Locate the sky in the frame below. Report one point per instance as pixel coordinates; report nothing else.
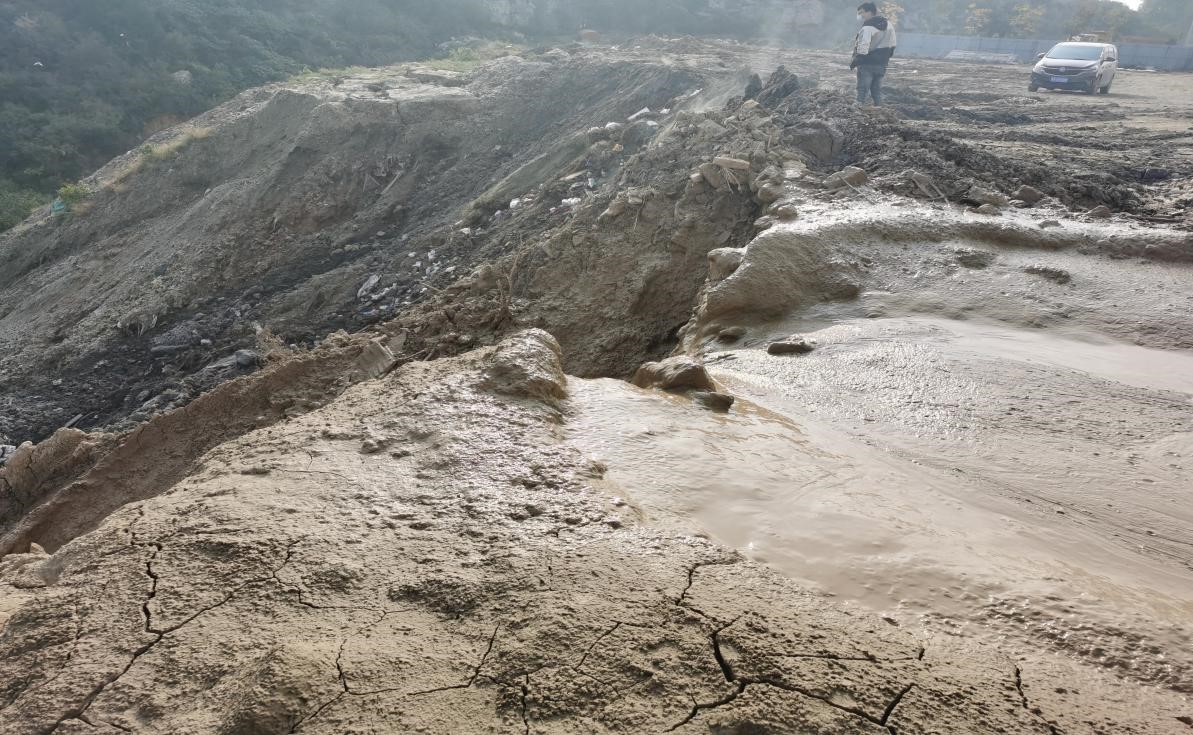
(1132, 4)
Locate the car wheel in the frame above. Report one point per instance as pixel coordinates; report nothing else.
(1104, 90)
(1033, 88)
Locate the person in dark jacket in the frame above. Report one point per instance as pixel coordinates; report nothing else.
(872, 50)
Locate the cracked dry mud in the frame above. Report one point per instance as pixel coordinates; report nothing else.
(471, 578)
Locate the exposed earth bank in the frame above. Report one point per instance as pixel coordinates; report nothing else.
(963, 464)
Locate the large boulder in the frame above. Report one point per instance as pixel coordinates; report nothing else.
(675, 373)
(1028, 194)
(819, 139)
(527, 364)
(722, 262)
(848, 176)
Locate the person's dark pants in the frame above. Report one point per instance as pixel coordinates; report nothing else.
(869, 83)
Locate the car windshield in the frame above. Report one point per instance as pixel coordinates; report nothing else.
(1072, 52)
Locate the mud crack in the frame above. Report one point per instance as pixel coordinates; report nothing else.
(77, 713)
(525, 696)
(1033, 711)
(580, 664)
(681, 601)
(743, 682)
(475, 672)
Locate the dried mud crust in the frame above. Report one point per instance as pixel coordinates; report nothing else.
(423, 554)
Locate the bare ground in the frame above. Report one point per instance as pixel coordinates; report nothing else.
(306, 549)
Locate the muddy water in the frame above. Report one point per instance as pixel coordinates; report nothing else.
(957, 516)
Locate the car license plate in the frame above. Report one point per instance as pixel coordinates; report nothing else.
(1060, 80)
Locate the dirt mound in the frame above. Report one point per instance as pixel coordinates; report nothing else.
(303, 207)
(889, 145)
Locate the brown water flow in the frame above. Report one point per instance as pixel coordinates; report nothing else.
(953, 516)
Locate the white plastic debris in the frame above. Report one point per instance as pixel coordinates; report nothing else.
(368, 286)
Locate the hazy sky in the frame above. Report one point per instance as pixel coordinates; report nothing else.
(1134, 4)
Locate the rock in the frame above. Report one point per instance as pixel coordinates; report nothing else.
(973, 258)
(731, 334)
(781, 85)
(1019, 204)
(713, 400)
(6, 451)
(714, 175)
(787, 213)
(674, 373)
(376, 359)
(848, 176)
(753, 87)
(1049, 223)
(373, 445)
(1058, 275)
(615, 209)
(710, 130)
(986, 196)
(818, 139)
(527, 364)
(722, 262)
(990, 210)
(1100, 212)
(770, 175)
(247, 358)
(1028, 194)
(769, 193)
(792, 346)
(765, 223)
(732, 164)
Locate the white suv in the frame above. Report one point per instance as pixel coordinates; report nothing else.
(1085, 67)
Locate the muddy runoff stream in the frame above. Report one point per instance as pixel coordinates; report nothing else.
(952, 475)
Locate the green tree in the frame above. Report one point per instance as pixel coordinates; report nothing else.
(1026, 20)
(16, 204)
(1172, 18)
(977, 20)
(893, 11)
